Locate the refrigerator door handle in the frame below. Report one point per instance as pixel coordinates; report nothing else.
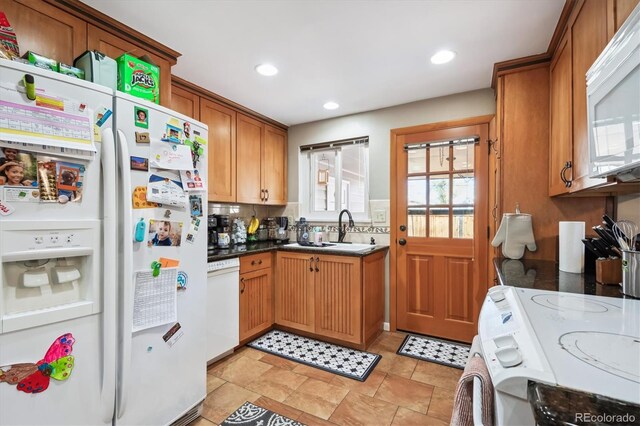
(126, 297)
(110, 253)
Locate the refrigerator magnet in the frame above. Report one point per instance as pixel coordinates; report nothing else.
(139, 163)
(195, 201)
(140, 199)
(102, 116)
(142, 137)
(141, 117)
(164, 233)
(173, 335)
(6, 209)
(182, 280)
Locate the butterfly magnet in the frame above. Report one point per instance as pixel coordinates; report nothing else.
(34, 378)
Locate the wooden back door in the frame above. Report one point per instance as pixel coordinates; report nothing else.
(439, 235)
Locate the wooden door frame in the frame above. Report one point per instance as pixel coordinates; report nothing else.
(395, 133)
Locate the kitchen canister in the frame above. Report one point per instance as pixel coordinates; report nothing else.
(631, 273)
(571, 250)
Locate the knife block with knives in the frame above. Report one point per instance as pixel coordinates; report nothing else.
(609, 271)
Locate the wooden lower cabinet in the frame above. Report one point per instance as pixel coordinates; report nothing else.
(336, 297)
(256, 302)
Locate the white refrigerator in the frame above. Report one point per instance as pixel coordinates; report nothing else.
(90, 332)
(160, 382)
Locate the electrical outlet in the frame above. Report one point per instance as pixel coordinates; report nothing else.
(379, 216)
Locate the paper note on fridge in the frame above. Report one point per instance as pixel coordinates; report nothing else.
(154, 299)
(164, 190)
(165, 155)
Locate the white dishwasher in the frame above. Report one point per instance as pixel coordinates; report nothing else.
(223, 308)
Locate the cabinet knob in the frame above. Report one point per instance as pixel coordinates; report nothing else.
(253, 262)
(402, 241)
(403, 228)
(260, 262)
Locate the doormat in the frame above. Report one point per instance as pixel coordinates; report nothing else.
(252, 415)
(336, 359)
(451, 354)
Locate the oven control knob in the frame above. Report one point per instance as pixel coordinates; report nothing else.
(509, 356)
(497, 295)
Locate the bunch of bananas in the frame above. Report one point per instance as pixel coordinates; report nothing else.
(253, 225)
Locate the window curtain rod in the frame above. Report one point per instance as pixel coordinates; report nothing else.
(446, 142)
(334, 144)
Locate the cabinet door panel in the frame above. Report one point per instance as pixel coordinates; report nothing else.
(114, 46)
(274, 165)
(185, 102)
(45, 29)
(256, 303)
(221, 151)
(560, 141)
(623, 10)
(295, 291)
(338, 298)
(250, 133)
(589, 37)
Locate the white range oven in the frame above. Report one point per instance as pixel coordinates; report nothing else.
(586, 343)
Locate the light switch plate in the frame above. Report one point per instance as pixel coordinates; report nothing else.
(379, 216)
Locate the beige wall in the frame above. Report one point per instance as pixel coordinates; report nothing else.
(629, 207)
(377, 125)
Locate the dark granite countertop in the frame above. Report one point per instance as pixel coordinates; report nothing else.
(553, 405)
(545, 275)
(259, 247)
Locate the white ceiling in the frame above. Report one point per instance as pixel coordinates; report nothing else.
(364, 55)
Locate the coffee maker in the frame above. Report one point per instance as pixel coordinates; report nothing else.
(223, 230)
(212, 232)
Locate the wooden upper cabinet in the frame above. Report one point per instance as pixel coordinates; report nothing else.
(248, 171)
(221, 151)
(560, 117)
(274, 165)
(589, 37)
(114, 46)
(45, 29)
(623, 9)
(185, 102)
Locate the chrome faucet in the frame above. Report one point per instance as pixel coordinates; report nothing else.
(342, 229)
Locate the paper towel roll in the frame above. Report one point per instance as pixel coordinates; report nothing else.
(571, 252)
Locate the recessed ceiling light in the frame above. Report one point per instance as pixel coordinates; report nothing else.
(442, 57)
(266, 69)
(331, 105)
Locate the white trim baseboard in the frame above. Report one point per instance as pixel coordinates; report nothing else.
(386, 326)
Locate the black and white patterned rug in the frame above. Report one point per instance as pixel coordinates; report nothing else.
(336, 359)
(430, 349)
(252, 415)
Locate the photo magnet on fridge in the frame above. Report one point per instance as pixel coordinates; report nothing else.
(139, 163)
(164, 233)
(195, 201)
(141, 117)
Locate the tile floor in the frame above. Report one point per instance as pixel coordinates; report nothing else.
(400, 390)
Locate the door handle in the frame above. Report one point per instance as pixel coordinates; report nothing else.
(262, 194)
(567, 182)
(402, 241)
(311, 264)
(243, 285)
(317, 261)
(266, 192)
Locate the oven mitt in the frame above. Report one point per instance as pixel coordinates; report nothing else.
(515, 232)
(513, 272)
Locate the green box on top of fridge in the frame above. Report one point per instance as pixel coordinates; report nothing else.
(138, 78)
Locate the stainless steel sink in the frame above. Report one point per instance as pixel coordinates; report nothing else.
(347, 247)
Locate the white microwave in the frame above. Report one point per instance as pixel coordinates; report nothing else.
(613, 105)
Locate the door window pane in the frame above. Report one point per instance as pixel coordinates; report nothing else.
(417, 222)
(439, 223)
(438, 159)
(417, 162)
(417, 191)
(439, 189)
(463, 222)
(324, 180)
(463, 188)
(463, 157)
